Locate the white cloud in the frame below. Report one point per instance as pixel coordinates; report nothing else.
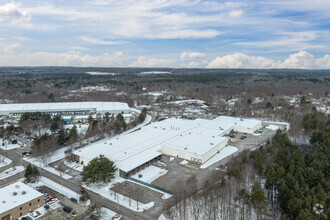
(100, 41)
(304, 60)
(300, 60)
(289, 41)
(13, 13)
(152, 62)
(71, 58)
(236, 14)
(191, 55)
(11, 48)
(78, 48)
(240, 60)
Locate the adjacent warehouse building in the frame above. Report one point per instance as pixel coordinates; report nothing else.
(194, 140)
(17, 200)
(65, 108)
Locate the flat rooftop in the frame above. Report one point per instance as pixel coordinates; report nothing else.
(132, 150)
(23, 195)
(64, 106)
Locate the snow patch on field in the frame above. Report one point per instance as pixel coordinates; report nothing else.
(225, 152)
(149, 174)
(4, 161)
(11, 171)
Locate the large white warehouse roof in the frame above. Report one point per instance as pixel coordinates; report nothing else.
(191, 136)
(101, 107)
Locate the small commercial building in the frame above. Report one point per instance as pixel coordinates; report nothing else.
(17, 200)
(193, 140)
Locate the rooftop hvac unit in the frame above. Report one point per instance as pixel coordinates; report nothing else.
(14, 193)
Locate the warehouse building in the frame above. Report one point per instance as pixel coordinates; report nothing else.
(17, 200)
(65, 108)
(193, 140)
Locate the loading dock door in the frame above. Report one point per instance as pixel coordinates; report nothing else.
(122, 173)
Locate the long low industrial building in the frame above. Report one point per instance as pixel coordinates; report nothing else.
(193, 140)
(65, 108)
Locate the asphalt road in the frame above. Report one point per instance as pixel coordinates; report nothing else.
(14, 155)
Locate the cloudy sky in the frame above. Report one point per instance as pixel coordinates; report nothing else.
(166, 33)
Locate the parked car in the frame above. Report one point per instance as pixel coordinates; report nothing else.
(46, 207)
(73, 200)
(67, 209)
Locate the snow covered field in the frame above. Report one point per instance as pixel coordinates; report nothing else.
(225, 152)
(4, 161)
(11, 171)
(150, 173)
(104, 190)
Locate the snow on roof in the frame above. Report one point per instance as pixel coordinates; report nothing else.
(24, 194)
(63, 106)
(134, 149)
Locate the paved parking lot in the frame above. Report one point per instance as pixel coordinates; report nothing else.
(58, 212)
(137, 192)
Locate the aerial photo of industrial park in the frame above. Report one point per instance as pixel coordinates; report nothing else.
(164, 110)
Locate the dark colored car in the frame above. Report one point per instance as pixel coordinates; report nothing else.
(67, 209)
(46, 207)
(73, 200)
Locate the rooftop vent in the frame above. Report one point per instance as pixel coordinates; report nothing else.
(14, 193)
(23, 192)
(16, 186)
(212, 143)
(242, 119)
(3, 201)
(185, 148)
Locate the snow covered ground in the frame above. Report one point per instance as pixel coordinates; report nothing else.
(107, 214)
(57, 172)
(43, 181)
(272, 127)
(150, 173)
(81, 128)
(225, 152)
(73, 165)
(104, 190)
(11, 171)
(55, 156)
(184, 162)
(8, 146)
(4, 161)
